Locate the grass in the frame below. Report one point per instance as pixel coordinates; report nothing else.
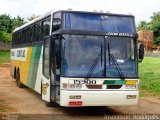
(4, 57)
(149, 72)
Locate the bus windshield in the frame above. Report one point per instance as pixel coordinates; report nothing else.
(79, 53)
(120, 55)
(97, 22)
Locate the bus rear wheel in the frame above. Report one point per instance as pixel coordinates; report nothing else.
(18, 82)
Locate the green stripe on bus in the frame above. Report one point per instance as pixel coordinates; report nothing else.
(114, 82)
(33, 68)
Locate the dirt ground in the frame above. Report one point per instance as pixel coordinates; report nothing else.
(28, 105)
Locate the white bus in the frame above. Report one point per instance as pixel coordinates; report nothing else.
(75, 58)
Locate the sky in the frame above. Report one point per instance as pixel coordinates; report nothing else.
(141, 9)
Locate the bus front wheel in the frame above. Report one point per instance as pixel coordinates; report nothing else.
(51, 104)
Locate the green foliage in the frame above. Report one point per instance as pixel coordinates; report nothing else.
(32, 17)
(17, 22)
(4, 57)
(5, 36)
(150, 75)
(153, 25)
(143, 25)
(5, 23)
(157, 40)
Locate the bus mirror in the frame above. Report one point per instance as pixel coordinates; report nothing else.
(141, 52)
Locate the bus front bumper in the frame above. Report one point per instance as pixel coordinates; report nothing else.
(98, 98)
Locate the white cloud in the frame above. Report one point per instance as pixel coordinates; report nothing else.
(142, 9)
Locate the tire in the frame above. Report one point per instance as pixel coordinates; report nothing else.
(51, 104)
(19, 84)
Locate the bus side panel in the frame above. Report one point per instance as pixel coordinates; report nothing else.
(29, 61)
(17, 57)
(33, 69)
(39, 74)
(25, 67)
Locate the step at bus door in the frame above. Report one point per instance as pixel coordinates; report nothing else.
(46, 83)
(55, 68)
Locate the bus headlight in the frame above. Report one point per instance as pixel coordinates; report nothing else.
(75, 86)
(65, 86)
(130, 86)
(72, 86)
(78, 86)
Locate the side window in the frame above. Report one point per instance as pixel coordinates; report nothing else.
(13, 39)
(37, 32)
(32, 33)
(23, 37)
(28, 35)
(46, 58)
(17, 38)
(56, 22)
(46, 26)
(20, 36)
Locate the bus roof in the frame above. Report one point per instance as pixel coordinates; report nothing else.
(52, 11)
(34, 20)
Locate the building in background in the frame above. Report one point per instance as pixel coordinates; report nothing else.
(147, 37)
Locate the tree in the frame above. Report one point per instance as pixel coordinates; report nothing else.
(32, 17)
(155, 26)
(17, 22)
(5, 36)
(143, 25)
(5, 23)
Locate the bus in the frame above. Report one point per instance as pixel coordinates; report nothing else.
(78, 58)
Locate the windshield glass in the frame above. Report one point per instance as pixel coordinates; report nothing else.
(79, 53)
(97, 22)
(120, 50)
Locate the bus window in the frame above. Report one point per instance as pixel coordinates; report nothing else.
(27, 36)
(32, 33)
(46, 26)
(37, 32)
(46, 58)
(23, 37)
(56, 22)
(18, 40)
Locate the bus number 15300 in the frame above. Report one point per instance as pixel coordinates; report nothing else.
(84, 81)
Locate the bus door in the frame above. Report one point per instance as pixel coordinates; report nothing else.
(46, 83)
(55, 68)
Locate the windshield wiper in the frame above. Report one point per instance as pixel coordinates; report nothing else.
(93, 66)
(111, 57)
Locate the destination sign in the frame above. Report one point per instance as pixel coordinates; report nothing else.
(119, 34)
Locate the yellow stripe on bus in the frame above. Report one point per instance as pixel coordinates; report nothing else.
(25, 67)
